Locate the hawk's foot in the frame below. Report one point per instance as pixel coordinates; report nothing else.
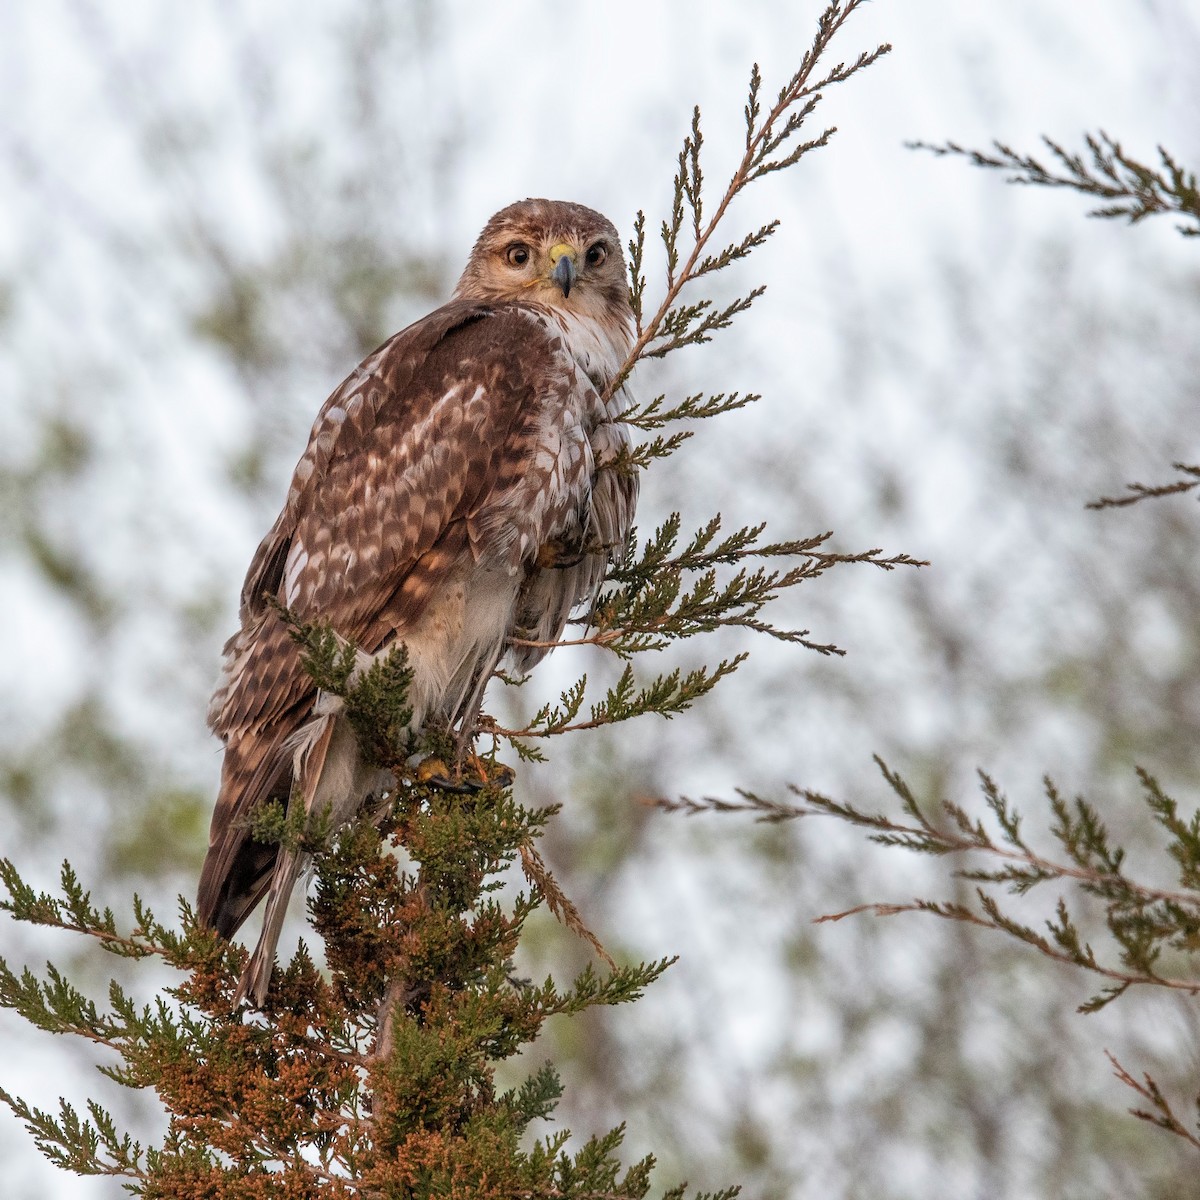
(557, 554)
(498, 773)
(434, 772)
(466, 780)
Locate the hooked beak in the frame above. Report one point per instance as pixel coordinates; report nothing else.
(564, 273)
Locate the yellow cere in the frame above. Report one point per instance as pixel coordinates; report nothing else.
(556, 252)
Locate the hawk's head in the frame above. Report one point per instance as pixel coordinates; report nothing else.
(553, 253)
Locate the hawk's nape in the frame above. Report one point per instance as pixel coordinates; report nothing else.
(436, 478)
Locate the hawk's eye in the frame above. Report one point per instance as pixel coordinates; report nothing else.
(596, 255)
(517, 254)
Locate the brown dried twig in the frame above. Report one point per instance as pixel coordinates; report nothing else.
(1163, 1116)
(557, 901)
(1141, 491)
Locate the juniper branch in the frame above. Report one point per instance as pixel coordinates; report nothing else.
(666, 695)
(674, 325)
(652, 415)
(74, 1143)
(1064, 948)
(672, 590)
(1142, 919)
(1163, 1115)
(1134, 190)
(1140, 491)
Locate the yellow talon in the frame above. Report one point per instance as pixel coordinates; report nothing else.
(432, 768)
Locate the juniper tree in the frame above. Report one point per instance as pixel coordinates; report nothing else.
(375, 1075)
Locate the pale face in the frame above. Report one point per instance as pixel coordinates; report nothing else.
(557, 255)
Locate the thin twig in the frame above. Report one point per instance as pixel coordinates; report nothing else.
(950, 843)
(1191, 986)
(1149, 1090)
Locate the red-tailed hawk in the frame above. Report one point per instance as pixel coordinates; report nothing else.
(438, 481)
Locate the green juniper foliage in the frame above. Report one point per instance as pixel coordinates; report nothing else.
(666, 593)
(375, 1075)
(377, 1080)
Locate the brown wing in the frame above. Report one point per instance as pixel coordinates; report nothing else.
(456, 437)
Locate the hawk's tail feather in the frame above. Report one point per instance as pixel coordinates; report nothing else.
(236, 868)
(256, 975)
(234, 907)
(310, 750)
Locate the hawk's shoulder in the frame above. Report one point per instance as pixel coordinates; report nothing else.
(426, 408)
